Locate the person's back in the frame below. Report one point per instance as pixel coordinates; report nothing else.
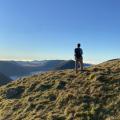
(78, 53)
(78, 57)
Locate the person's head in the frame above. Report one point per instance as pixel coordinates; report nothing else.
(78, 45)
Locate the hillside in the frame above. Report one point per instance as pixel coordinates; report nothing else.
(63, 95)
(4, 79)
(11, 68)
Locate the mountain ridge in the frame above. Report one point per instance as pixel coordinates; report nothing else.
(23, 68)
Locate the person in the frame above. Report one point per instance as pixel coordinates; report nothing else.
(78, 57)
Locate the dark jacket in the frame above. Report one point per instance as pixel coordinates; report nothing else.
(78, 53)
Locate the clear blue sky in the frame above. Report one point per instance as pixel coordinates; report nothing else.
(50, 29)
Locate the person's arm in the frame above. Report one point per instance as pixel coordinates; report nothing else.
(81, 51)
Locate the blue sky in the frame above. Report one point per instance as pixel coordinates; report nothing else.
(50, 29)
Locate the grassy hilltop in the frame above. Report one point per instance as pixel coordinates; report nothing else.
(64, 95)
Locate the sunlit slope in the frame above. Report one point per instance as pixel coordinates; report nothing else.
(63, 95)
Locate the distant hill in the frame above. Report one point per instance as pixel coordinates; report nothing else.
(21, 68)
(70, 64)
(51, 64)
(45, 65)
(31, 63)
(4, 79)
(63, 95)
(11, 68)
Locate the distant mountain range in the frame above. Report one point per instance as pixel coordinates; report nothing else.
(70, 64)
(45, 65)
(11, 68)
(21, 68)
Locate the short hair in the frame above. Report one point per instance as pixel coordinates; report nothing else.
(78, 45)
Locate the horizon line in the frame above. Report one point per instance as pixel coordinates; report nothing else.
(31, 60)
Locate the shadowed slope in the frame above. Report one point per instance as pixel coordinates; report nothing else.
(4, 79)
(11, 68)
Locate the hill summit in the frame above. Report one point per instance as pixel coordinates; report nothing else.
(63, 95)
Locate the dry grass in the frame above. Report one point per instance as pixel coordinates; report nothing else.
(63, 95)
